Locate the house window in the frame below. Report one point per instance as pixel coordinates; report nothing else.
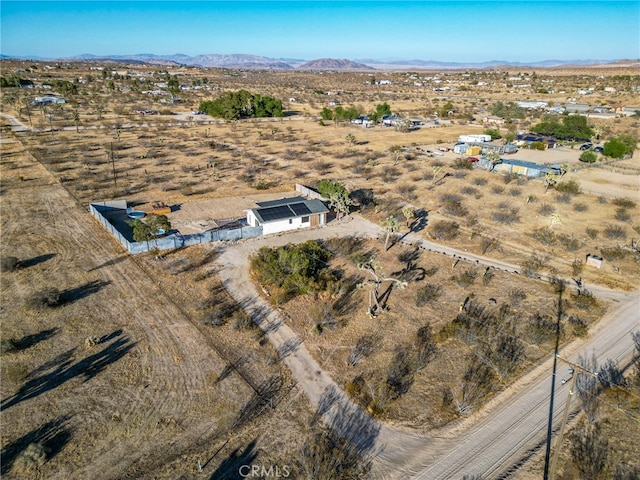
(305, 219)
(290, 221)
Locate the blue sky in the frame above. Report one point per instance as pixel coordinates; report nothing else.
(455, 30)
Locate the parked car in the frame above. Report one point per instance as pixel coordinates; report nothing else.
(471, 159)
(598, 149)
(586, 146)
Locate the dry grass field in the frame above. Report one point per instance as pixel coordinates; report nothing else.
(124, 380)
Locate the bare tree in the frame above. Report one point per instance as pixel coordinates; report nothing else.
(588, 388)
(374, 269)
(589, 450)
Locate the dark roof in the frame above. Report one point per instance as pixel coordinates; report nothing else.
(280, 201)
(288, 208)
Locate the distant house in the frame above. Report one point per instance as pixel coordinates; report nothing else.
(630, 111)
(287, 214)
(529, 138)
(519, 167)
(493, 120)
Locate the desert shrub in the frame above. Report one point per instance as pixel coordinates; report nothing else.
(531, 199)
(564, 198)
(592, 232)
(623, 202)
(569, 186)
(427, 293)
(344, 246)
(452, 205)
(588, 157)
(546, 209)
(240, 321)
(8, 345)
(31, 459)
(540, 328)
(479, 181)
(622, 215)
(569, 242)
(497, 189)
(580, 207)
(465, 278)
(364, 347)
(584, 300)
(444, 230)
(544, 235)
(472, 221)
(506, 216)
(532, 266)
(515, 192)
(509, 177)
(467, 190)
(9, 264)
(578, 325)
(462, 164)
(407, 189)
(576, 267)
(47, 298)
(516, 295)
(615, 232)
(400, 373)
(613, 253)
(389, 174)
(602, 200)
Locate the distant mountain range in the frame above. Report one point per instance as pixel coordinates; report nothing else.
(258, 62)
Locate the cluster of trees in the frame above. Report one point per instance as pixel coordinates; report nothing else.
(573, 127)
(508, 110)
(339, 113)
(242, 104)
(293, 270)
(351, 113)
(11, 80)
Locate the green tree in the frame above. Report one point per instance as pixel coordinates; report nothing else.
(326, 114)
(588, 157)
(494, 132)
(615, 148)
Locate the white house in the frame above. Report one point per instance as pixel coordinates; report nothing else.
(287, 214)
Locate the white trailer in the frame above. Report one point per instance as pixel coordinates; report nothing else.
(476, 138)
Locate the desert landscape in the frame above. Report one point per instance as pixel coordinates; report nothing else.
(172, 363)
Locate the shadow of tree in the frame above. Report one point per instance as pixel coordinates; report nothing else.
(30, 340)
(52, 436)
(267, 395)
(63, 370)
(233, 467)
(36, 260)
(108, 263)
(77, 293)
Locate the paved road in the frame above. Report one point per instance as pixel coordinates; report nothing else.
(488, 443)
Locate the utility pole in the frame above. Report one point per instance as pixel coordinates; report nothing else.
(574, 370)
(113, 164)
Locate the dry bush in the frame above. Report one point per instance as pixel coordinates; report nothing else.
(428, 293)
(467, 190)
(546, 209)
(9, 264)
(509, 177)
(570, 187)
(622, 215)
(444, 230)
(544, 235)
(564, 198)
(592, 232)
(465, 278)
(569, 242)
(452, 205)
(615, 232)
(623, 202)
(506, 217)
(515, 192)
(48, 298)
(532, 266)
(613, 253)
(580, 207)
(479, 181)
(497, 189)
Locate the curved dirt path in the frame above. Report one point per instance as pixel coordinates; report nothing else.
(489, 442)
